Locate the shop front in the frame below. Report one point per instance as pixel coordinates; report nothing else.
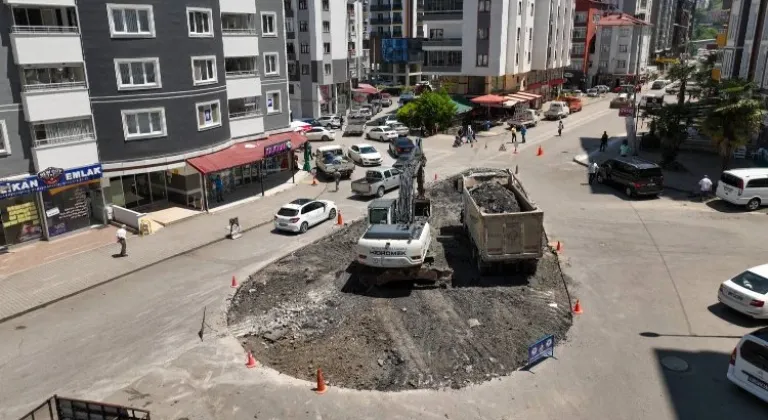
(155, 190)
(53, 202)
(247, 169)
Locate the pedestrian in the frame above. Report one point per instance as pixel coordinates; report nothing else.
(121, 234)
(705, 187)
(470, 133)
(523, 132)
(341, 120)
(337, 179)
(604, 142)
(560, 128)
(219, 185)
(624, 148)
(514, 134)
(592, 170)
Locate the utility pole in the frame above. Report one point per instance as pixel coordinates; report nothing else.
(637, 79)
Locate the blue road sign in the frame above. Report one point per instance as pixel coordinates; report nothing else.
(545, 347)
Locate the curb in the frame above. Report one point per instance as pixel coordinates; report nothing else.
(136, 270)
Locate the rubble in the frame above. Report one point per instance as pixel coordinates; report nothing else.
(493, 197)
(309, 312)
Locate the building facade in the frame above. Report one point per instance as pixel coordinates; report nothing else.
(397, 19)
(585, 19)
(621, 52)
(320, 54)
(745, 55)
(663, 18)
(552, 32)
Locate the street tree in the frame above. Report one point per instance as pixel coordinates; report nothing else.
(732, 123)
(430, 111)
(671, 125)
(682, 73)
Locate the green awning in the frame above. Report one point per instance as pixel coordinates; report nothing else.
(462, 106)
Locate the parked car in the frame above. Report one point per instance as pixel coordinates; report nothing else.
(747, 293)
(574, 103)
(401, 146)
(377, 182)
(673, 88)
(634, 175)
(382, 133)
(651, 101)
(355, 125)
(405, 158)
(621, 101)
(602, 89)
(593, 93)
(748, 367)
(400, 128)
(364, 154)
(382, 120)
(299, 215)
(659, 84)
(557, 110)
(311, 121)
(744, 187)
(406, 97)
(320, 133)
(386, 100)
(331, 121)
(365, 112)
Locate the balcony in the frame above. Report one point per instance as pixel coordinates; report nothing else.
(397, 19)
(242, 75)
(381, 20)
(398, 5)
(291, 56)
(63, 132)
(352, 54)
(245, 116)
(240, 45)
(236, 6)
(239, 24)
(441, 42)
(443, 10)
(386, 34)
(366, 35)
(64, 144)
(55, 100)
(397, 34)
(381, 7)
(34, 45)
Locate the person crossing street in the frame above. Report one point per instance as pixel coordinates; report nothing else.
(523, 132)
(604, 141)
(560, 128)
(592, 170)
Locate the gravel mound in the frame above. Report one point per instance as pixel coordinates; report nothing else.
(493, 197)
(307, 311)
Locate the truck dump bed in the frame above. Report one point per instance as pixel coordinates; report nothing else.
(502, 228)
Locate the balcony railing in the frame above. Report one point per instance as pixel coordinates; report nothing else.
(239, 31)
(242, 73)
(381, 7)
(397, 19)
(381, 21)
(291, 56)
(352, 53)
(245, 114)
(37, 87)
(397, 5)
(442, 42)
(32, 29)
(72, 138)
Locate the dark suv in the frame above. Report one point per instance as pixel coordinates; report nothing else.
(634, 175)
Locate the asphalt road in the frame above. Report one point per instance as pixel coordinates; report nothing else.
(646, 273)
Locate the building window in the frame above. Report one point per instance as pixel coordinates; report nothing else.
(273, 102)
(302, 4)
(240, 66)
(326, 26)
(244, 107)
(137, 73)
(305, 69)
(208, 115)
(624, 32)
(621, 64)
(622, 48)
(5, 142)
(327, 69)
(529, 57)
(517, 58)
(304, 48)
(605, 48)
(580, 17)
(579, 33)
(199, 22)
(204, 70)
(484, 6)
(531, 3)
(238, 23)
(603, 64)
(288, 25)
(518, 34)
(291, 89)
(596, 17)
(131, 21)
(302, 26)
(269, 24)
(530, 34)
(326, 5)
(482, 33)
(326, 47)
(144, 123)
(270, 64)
(577, 48)
(435, 34)
(482, 60)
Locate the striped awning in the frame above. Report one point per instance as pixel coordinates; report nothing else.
(522, 96)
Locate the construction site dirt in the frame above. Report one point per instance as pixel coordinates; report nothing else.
(308, 311)
(492, 197)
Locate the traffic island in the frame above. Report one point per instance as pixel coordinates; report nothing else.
(308, 311)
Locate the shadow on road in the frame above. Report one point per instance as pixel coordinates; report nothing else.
(723, 206)
(732, 317)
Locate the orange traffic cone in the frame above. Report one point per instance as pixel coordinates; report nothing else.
(234, 282)
(321, 387)
(339, 219)
(539, 151)
(559, 247)
(251, 362)
(314, 180)
(577, 308)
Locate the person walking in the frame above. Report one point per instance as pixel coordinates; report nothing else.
(513, 131)
(523, 132)
(624, 148)
(592, 171)
(705, 187)
(604, 142)
(219, 185)
(337, 179)
(560, 128)
(470, 134)
(121, 234)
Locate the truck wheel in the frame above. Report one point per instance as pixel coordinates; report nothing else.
(380, 192)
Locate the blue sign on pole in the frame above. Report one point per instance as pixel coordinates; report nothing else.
(49, 178)
(545, 347)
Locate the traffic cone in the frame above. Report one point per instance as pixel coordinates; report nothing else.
(251, 362)
(339, 219)
(577, 308)
(314, 180)
(234, 282)
(559, 247)
(539, 151)
(502, 148)
(321, 387)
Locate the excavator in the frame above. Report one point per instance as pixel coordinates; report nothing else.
(396, 244)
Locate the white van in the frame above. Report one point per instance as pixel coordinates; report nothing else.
(744, 187)
(557, 110)
(749, 364)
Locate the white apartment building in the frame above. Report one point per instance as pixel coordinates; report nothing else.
(396, 19)
(552, 31)
(621, 50)
(324, 44)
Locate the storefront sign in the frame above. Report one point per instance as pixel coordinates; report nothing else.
(276, 149)
(626, 111)
(49, 178)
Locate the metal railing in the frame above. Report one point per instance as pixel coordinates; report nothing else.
(352, 53)
(36, 87)
(442, 42)
(32, 29)
(242, 73)
(381, 21)
(245, 114)
(73, 138)
(240, 31)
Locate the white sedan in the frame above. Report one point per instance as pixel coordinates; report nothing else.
(382, 133)
(747, 292)
(299, 215)
(320, 133)
(400, 128)
(364, 154)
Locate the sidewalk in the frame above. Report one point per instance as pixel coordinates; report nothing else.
(50, 282)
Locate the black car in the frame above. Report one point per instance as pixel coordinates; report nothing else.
(634, 175)
(401, 146)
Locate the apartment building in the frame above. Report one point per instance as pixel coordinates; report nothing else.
(552, 31)
(396, 19)
(663, 18)
(585, 19)
(110, 108)
(365, 22)
(745, 55)
(320, 54)
(621, 50)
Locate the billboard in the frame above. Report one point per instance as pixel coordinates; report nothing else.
(394, 50)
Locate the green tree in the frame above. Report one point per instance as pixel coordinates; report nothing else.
(682, 73)
(431, 110)
(670, 124)
(732, 123)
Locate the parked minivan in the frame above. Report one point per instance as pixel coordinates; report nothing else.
(748, 367)
(557, 110)
(744, 187)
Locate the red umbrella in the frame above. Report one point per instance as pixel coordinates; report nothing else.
(489, 100)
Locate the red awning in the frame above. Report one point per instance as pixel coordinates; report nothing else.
(555, 82)
(488, 100)
(243, 153)
(523, 96)
(366, 88)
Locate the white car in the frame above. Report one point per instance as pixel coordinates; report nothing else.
(747, 292)
(382, 133)
(329, 121)
(364, 154)
(748, 368)
(299, 215)
(320, 133)
(366, 112)
(603, 88)
(400, 128)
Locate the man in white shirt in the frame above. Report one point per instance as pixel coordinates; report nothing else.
(705, 185)
(592, 170)
(121, 234)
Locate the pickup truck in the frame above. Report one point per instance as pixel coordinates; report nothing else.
(526, 117)
(355, 125)
(502, 238)
(376, 182)
(330, 159)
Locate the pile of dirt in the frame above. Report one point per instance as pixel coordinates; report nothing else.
(493, 197)
(308, 311)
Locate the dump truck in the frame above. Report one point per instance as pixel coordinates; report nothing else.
(501, 234)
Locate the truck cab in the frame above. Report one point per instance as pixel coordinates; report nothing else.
(383, 211)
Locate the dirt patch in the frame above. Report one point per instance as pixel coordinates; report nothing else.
(492, 197)
(307, 311)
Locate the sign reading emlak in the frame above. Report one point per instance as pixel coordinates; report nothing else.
(49, 178)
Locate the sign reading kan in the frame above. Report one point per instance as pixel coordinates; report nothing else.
(49, 178)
